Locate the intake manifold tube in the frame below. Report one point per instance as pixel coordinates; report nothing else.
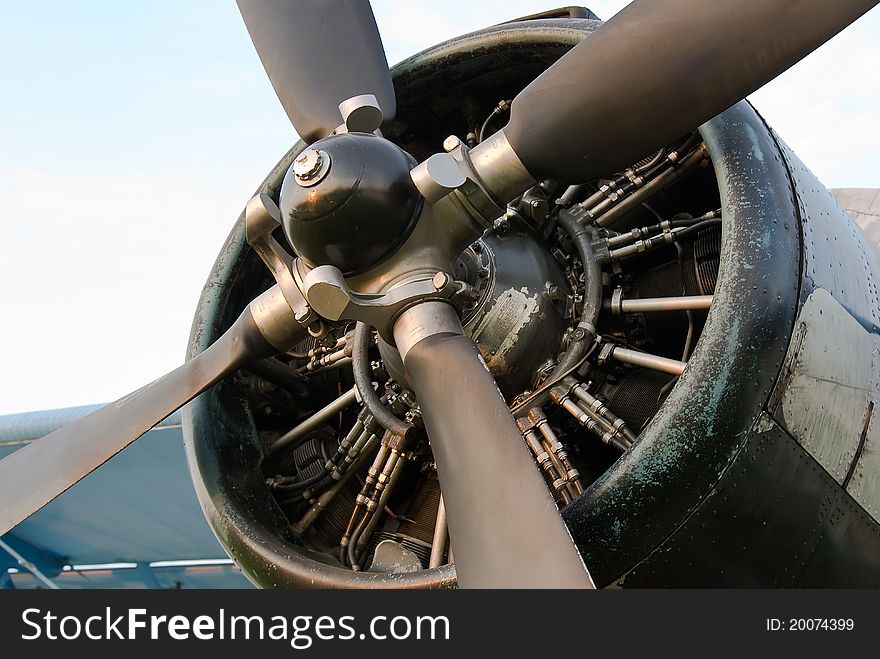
(580, 236)
(360, 366)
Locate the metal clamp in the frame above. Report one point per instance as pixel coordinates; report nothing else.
(484, 179)
(327, 292)
(261, 218)
(617, 301)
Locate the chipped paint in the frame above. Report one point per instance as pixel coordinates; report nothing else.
(831, 377)
(764, 423)
(502, 326)
(757, 152)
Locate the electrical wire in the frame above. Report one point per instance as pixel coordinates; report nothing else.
(699, 226)
(502, 106)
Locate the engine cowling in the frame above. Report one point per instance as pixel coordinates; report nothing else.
(703, 436)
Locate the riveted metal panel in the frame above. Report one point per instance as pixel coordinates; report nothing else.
(847, 551)
(838, 258)
(836, 255)
(775, 519)
(830, 377)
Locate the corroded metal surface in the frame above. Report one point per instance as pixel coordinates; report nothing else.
(777, 519)
(716, 491)
(776, 516)
(828, 381)
(703, 425)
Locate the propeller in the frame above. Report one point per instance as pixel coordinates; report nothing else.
(655, 71)
(503, 523)
(36, 474)
(317, 54)
(650, 74)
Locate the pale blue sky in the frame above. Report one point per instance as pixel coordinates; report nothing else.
(132, 133)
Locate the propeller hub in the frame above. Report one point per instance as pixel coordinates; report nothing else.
(355, 213)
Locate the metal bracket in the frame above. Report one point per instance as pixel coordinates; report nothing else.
(451, 172)
(261, 218)
(329, 294)
(361, 114)
(605, 353)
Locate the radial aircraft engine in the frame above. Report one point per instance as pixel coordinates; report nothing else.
(546, 305)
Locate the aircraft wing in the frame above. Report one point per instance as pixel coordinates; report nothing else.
(135, 523)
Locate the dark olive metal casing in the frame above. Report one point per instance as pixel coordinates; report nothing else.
(516, 324)
(362, 210)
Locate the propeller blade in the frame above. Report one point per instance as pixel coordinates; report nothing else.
(36, 474)
(655, 71)
(317, 54)
(503, 523)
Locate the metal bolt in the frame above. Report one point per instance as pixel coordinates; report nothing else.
(307, 164)
(451, 143)
(440, 281)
